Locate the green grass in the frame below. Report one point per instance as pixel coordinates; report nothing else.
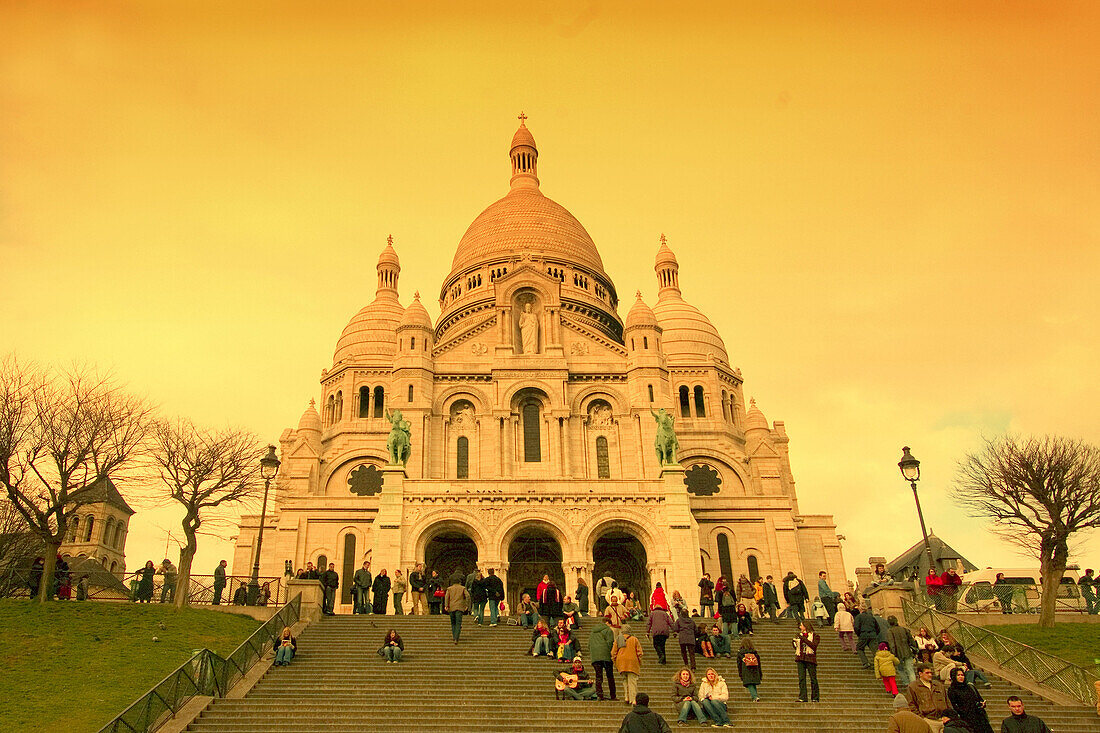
(1077, 643)
(68, 666)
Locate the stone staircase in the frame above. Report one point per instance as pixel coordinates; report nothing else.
(339, 684)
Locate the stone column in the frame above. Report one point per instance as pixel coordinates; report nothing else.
(683, 533)
(312, 596)
(387, 525)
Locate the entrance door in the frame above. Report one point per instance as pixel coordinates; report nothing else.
(623, 557)
(450, 553)
(533, 554)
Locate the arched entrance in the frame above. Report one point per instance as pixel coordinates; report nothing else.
(622, 556)
(450, 552)
(532, 554)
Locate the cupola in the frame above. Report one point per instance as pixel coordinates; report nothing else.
(524, 157)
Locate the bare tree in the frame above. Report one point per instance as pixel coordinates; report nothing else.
(62, 432)
(1039, 493)
(18, 548)
(206, 472)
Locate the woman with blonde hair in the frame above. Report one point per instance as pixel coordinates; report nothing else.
(285, 646)
(685, 693)
(713, 696)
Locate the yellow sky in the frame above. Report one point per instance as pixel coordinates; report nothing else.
(889, 210)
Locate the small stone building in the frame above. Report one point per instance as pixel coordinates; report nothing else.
(99, 529)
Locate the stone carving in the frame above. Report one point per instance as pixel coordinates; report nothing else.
(578, 348)
(479, 349)
(529, 330)
(399, 444)
(665, 442)
(463, 415)
(702, 480)
(365, 480)
(599, 415)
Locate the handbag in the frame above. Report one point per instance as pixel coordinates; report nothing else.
(439, 593)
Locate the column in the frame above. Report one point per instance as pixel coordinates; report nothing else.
(683, 533)
(387, 525)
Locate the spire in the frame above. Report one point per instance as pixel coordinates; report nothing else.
(668, 271)
(524, 156)
(389, 268)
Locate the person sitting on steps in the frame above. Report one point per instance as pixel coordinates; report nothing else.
(720, 642)
(540, 640)
(527, 611)
(702, 642)
(570, 612)
(744, 620)
(565, 642)
(713, 697)
(392, 647)
(285, 647)
(575, 682)
(685, 693)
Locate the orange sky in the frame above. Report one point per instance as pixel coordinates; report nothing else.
(889, 210)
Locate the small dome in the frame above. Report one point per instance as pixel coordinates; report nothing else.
(754, 418)
(372, 331)
(311, 419)
(416, 315)
(688, 334)
(523, 136)
(665, 255)
(389, 255)
(641, 315)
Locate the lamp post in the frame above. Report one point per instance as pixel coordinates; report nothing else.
(910, 471)
(269, 469)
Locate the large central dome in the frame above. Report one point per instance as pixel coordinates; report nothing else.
(526, 221)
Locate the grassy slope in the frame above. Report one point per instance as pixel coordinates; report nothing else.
(68, 666)
(1078, 643)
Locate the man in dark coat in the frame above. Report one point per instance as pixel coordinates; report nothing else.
(867, 632)
(1021, 722)
(643, 720)
(219, 582)
(34, 578)
(360, 586)
(494, 586)
(903, 646)
(380, 589)
(417, 583)
(330, 581)
(771, 598)
(479, 596)
(796, 595)
(600, 642)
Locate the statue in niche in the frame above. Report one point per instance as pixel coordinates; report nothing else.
(399, 443)
(463, 415)
(529, 330)
(665, 442)
(599, 416)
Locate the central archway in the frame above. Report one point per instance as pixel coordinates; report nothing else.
(622, 556)
(533, 553)
(450, 552)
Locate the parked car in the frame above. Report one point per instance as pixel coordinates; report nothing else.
(976, 594)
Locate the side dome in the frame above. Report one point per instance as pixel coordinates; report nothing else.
(416, 315)
(641, 315)
(311, 419)
(688, 334)
(372, 331)
(525, 221)
(754, 418)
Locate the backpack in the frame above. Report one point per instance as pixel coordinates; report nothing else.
(751, 660)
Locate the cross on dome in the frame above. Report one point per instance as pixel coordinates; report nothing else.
(663, 240)
(522, 118)
(389, 240)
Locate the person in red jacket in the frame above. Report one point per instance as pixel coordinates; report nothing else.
(933, 584)
(949, 589)
(805, 655)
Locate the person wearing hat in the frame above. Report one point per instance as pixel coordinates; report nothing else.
(905, 720)
(583, 688)
(886, 668)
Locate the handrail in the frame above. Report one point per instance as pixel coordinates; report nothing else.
(205, 673)
(1044, 669)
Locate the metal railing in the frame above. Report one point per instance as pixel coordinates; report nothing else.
(205, 673)
(1044, 669)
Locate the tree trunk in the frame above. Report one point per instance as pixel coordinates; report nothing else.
(1052, 566)
(45, 586)
(187, 555)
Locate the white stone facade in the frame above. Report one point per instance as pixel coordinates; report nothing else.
(532, 436)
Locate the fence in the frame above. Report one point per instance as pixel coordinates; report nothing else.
(106, 586)
(1045, 669)
(205, 673)
(1025, 598)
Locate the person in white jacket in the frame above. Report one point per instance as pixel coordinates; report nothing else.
(845, 628)
(713, 695)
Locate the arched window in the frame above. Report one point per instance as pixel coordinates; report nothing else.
(330, 410)
(349, 568)
(379, 401)
(645, 342)
(724, 557)
(339, 406)
(114, 566)
(754, 567)
(603, 464)
(322, 563)
(702, 560)
(364, 402)
(74, 529)
(412, 343)
(700, 407)
(685, 402)
(410, 393)
(650, 392)
(108, 532)
(725, 407)
(118, 535)
(532, 436)
(89, 523)
(462, 469)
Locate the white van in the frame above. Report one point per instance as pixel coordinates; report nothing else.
(977, 595)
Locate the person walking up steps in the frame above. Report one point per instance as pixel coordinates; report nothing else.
(494, 588)
(456, 602)
(627, 653)
(749, 668)
(685, 635)
(659, 626)
(886, 668)
(867, 633)
(805, 655)
(845, 628)
(600, 642)
(435, 591)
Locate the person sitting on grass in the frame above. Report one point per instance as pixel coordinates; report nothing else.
(575, 682)
(540, 640)
(392, 647)
(285, 647)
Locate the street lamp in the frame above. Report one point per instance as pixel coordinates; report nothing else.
(269, 469)
(910, 471)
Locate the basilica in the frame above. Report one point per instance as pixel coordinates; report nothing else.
(531, 409)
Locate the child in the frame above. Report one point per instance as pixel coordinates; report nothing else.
(818, 610)
(886, 668)
(720, 642)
